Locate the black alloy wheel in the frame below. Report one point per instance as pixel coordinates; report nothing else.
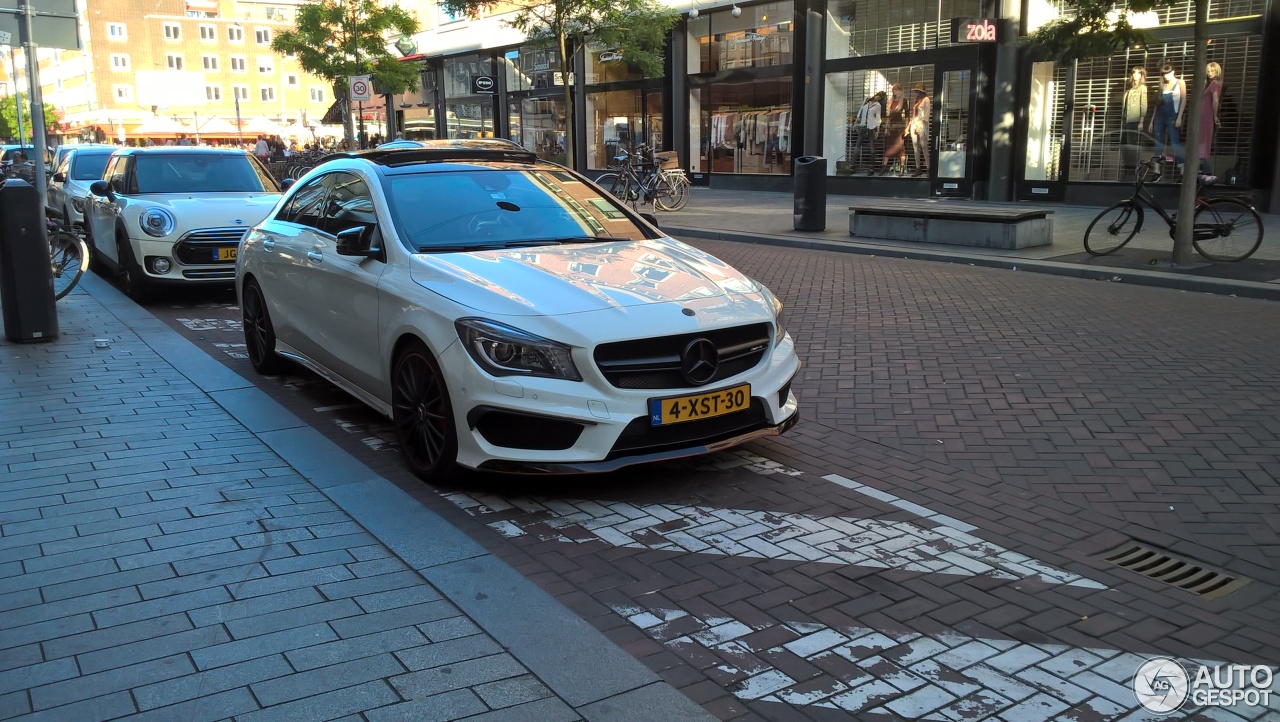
(423, 415)
(132, 278)
(259, 334)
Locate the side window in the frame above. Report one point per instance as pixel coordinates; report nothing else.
(64, 165)
(305, 205)
(349, 204)
(115, 173)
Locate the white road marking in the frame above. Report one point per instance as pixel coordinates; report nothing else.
(335, 407)
(886, 497)
(234, 350)
(946, 677)
(762, 535)
(212, 324)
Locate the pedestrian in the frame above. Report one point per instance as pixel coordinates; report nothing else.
(262, 150)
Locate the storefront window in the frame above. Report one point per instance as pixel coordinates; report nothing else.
(619, 120)
(1044, 122)
(531, 69)
(538, 125)
(903, 119)
(745, 127)
(419, 123)
(761, 36)
(605, 65)
(857, 28)
(467, 114)
(1108, 139)
(1040, 12)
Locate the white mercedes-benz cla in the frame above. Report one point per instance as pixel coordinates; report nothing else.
(508, 315)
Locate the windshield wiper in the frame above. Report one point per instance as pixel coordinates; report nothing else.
(591, 239)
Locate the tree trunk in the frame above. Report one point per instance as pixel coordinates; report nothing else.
(565, 71)
(348, 127)
(1182, 249)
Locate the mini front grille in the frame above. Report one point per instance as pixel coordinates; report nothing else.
(204, 274)
(201, 247)
(654, 363)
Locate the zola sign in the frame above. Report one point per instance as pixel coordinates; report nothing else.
(975, 30)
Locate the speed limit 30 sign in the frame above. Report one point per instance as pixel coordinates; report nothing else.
(359, 86)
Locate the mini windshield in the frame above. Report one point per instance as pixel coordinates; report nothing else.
(197, 173)
(497, 206)
(89, 166)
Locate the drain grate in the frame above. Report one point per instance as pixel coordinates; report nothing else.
(1191, 576)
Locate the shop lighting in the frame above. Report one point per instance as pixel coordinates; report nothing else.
(693, 12)
(736, 11)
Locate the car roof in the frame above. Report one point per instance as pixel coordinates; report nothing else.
(442, 151)
(180, 150)
(95, 148)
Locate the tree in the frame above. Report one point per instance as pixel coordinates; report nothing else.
(9, 118)
(1098, 28)
(335, 39)
(635, 28)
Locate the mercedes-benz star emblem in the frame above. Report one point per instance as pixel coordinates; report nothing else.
(699, 362)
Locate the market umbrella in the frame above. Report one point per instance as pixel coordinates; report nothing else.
(160, 125)
(262, 125)
(216, 126)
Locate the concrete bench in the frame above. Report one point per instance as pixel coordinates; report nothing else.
(953, 222)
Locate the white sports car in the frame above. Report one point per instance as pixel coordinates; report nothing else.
(176, 214)
(509, 315)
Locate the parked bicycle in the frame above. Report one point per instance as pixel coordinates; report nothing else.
(638, 178)
(1224, 228)
(68, 252)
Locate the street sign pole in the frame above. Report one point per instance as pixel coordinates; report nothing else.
(17, 96)
(37, 102)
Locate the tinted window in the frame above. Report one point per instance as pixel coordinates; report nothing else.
(196, 173)
(349, 204)
(89, 166)
(306, 205)
(116, 171)
(497, 205)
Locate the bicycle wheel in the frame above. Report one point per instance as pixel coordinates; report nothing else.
(673, 194)
(1225, 229)
(618, 186)
(69, 256)
(1120, 223)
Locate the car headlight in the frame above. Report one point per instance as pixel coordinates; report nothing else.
(156, 222)
(506, 351)
(78, 204)
(779, 323)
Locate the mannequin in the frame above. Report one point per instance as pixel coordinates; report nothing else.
(1210, 120)
(1134, 111)
(865, 131)
(1168, 116)
(895, 129)
(918, 129)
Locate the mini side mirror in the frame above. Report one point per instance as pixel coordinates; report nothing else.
(287, 183)
(101, 188)
(354, 241)
(59, 177)
(651, 218)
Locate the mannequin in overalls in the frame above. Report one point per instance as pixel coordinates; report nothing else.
(1168, 116)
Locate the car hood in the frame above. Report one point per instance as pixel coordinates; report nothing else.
(577, 278)
(250, 207)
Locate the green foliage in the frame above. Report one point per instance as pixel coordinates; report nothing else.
(1093, 30)
(334, 39)
(9, 117)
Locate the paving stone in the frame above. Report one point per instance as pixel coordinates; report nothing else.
(58, 575)
(513, 691)
(121, 655)
(22, 678)
(437, 708)
(67, 607)
(330, 705)
(393, 618)
(164, 556)
(451, 628)
(442, 653)
(436, 680)
(291, 618)
(261, 646)
(407, 596)
(97, 709)
(226, 610)
(221, 679)
(202, 534)
(15, 657)
(371, 585)
(269, 538)
(149, 610)
(118, 580)
(323, 679)
(1041, 706)
(321, 655)
(43, 631)
(208, 708)
(230, 577)
(344, 541)
(285, 582)
(14, 704)
(305, 562)
(114, 680)
(543, 710)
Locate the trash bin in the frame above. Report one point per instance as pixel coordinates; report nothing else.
(26, 277)
(811, 193)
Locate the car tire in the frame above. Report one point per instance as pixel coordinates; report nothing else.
(422, 414)
(259, 334)
(96, 263)
(132, 279)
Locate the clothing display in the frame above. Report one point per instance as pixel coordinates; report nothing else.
(759, 137)
(1135, 111)
(1208, 115)
(866, 136)
(1165, 126)
(918, 131)
(895, 130)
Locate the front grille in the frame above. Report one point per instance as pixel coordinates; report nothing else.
(205, 274)
(524, 431)
(654, 363)
(641, 437)
(200, 247)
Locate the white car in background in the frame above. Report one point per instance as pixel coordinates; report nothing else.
(75, 169)
(176, 214)
(509, 315)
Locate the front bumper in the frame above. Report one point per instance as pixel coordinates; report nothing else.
(180, 273)
(591, 426)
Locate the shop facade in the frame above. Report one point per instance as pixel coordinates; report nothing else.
(915, 98)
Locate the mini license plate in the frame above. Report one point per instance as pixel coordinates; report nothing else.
(225, 254)
(676, 409)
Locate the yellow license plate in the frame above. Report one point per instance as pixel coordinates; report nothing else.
(227, 254)
(677, 409)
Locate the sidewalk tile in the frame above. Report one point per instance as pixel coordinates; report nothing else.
(291, 618)
(322, 679)
(339, 702)
(437, 708)
(121, 655)
(221, 679)
(115, 680)
(226, 611)
(370, 645)
(437, 654)
(261, 646)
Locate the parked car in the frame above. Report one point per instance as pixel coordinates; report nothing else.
(74, 170)
(176, 214)
(509, 315)
(7, 151)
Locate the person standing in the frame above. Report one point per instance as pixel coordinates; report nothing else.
(918, 128)
(895, 128)
(262, 150)
(864, 133)
(1168, 116)
(1210, 119)
(1135, 111)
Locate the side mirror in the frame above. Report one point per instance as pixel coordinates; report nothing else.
(651, 218)
(102, 189)
(354, 241)
(59, 177)
(287, 183)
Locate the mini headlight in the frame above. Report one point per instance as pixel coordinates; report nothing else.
(506, 351)
(156, 222)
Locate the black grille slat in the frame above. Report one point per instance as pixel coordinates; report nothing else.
(196, 247)
(642, 437)
(654, 363)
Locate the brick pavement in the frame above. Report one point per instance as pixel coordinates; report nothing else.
(158, 558)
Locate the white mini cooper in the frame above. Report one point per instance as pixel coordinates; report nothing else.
(176, 214)
(509, 315)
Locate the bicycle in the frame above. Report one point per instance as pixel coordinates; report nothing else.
(68, 253)
(1224, 228)
(667, 190)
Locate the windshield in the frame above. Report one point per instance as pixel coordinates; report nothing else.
(198, 172)
(495, 206)
(89, 166)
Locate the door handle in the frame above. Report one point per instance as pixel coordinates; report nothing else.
(314, 257)
(269, 244)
